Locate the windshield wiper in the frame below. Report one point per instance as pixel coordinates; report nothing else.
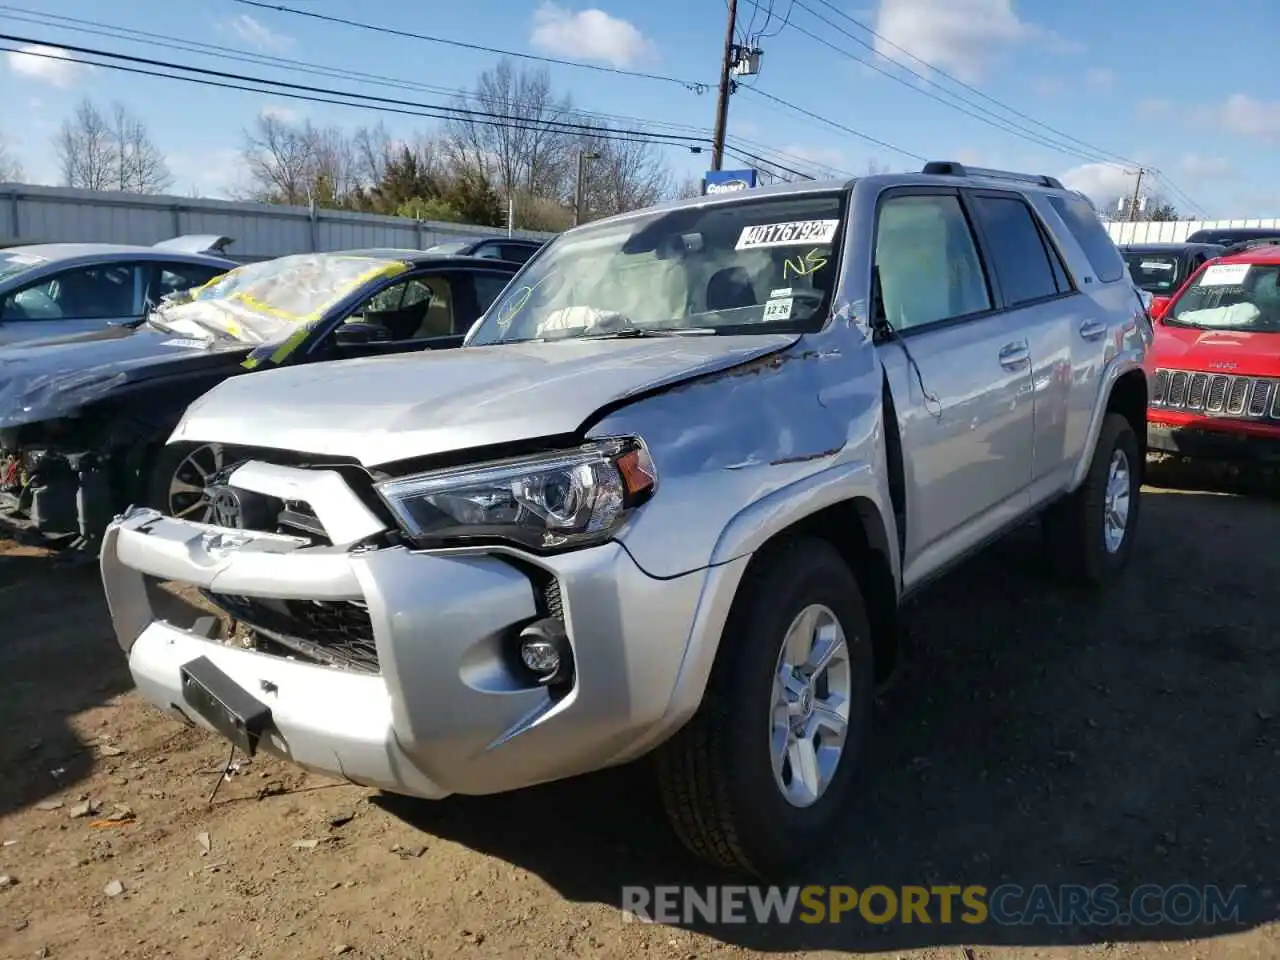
(638, 333)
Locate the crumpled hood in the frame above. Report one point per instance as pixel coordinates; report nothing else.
(47, 379)
(383, 409)
(1218, 351)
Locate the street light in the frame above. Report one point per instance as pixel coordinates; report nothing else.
(580, 191)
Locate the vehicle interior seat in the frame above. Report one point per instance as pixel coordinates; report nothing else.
(731, 289)
(402, 323)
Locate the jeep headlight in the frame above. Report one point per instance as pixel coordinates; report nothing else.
(545, 502)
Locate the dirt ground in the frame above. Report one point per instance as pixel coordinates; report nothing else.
(1040, 736)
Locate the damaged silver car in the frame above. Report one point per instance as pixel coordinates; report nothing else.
(666, 500)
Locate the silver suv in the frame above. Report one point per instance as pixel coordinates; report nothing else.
(667, 499)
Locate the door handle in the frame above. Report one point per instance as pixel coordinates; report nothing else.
(1014, 356)
(1093, 329)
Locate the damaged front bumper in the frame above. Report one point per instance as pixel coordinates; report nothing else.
(439, 705)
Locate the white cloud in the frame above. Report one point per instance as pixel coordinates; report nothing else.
(1155, 107)
(254, 33)
(212, 173)
(588, 35)
(1205, 168)
(963, 37)
(1047, 87)
(1100, 182)
(36, 62)
(1100, 78)
(276, 111)
(1247, 117)
(825, 157)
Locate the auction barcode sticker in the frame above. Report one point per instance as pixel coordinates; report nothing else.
(797, 233)
(1224, 274)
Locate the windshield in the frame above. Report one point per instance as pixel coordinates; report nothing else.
(747, 266)
(268, 301)
(15, 262)
(1153, 272)
(1231, 296)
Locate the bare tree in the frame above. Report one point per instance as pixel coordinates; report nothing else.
(516, 144)
(98, 152)
(278, 157)
(139, 163)
(687, 188)
(84, 148)
(625, 175)
(10, 169)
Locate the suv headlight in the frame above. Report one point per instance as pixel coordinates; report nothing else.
(546, 502)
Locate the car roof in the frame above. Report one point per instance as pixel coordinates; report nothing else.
(949, 174)
(1170, 247)
(419, 258)
(1260, 254)
(74, 251)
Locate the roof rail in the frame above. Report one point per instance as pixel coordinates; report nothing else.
(950, 168)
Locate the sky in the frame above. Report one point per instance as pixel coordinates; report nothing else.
(1100, 88)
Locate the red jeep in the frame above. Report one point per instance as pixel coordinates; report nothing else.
(1216, 390)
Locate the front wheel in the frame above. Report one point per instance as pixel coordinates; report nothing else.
(756, 780)
(1089, 534)
(180, 474)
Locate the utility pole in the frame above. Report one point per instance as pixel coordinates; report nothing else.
(1133, 204)
(726, 88)
(581, 189)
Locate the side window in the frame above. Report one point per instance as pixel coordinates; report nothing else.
(402, 310)
(177, 277)
(516, 253)
(1091, 235)
(488, 286)
(99, 292)
(1017, 249)
(490, 251)
(927, 262)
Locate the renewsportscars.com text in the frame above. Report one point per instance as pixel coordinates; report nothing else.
(1006, 905)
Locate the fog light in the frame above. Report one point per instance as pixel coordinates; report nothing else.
(545, 651)
(540, 656)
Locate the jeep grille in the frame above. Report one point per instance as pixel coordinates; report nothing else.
(1217, 394)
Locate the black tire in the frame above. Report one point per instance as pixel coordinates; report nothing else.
(1074, 527)
(167, 460)
(715, 774)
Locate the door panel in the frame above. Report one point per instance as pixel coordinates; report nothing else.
(960, 375)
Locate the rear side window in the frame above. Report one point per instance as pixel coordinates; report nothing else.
(1022, 262)
(1091, 235)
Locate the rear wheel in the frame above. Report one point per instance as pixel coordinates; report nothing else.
(180, 473)
(756, 780)
(1089, 535)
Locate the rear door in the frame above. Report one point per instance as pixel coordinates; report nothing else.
(1036, 290)
(80, 299)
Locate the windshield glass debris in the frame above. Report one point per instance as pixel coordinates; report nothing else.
(764, 265)
(267, 302)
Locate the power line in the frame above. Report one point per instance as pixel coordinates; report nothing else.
(957, 81)
(322, 95)
(991, 119)
(831, 123)
(693, 85)
(448, 112)
(283, 63)
(114, 32)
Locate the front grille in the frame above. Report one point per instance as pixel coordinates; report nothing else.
(338, 633)
(1217, 394)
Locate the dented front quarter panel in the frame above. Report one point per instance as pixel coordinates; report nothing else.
(744, 453)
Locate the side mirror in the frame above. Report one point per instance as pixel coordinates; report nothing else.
(1159, 307)
(358, 332)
